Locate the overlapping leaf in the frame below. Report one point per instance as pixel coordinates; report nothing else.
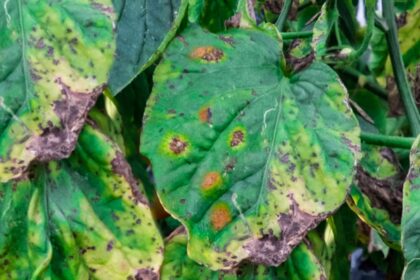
(301, 265)
(410, 222)
(322, 29)
(376, 193)
(55, 57)
(246, 155)
(144, 29)
(81, 218)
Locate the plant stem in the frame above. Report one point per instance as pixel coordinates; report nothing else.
(296, 35)
(388, 141)
(283, 14)
(399, 69)
(369, 83)
(381, 24)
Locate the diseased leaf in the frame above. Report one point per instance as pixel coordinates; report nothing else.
(144, 29)
(55, 57)
(81, 218)
(301, 265)
(409, 37)
(322, 29)
(376, 195)
(245, 156)
(300, 54)
(411, 214)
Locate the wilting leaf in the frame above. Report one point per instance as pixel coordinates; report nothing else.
(376, 195)
(244, 156)
(322, 29)
(301, 265)
(300, 54)
(144, 29)
(411, 214)
(210, 13)
(81, 218)
(55, 57)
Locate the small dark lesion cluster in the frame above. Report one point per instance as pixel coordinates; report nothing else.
(237, 138)
(121, 167)
(213, 55)
(177, 146)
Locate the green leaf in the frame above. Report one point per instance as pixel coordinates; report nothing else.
(375, 195)
(55, 57)
(144, 28)
(81, 218)
(244, 156)
(379, 54)
(301, 265)
(411, 214)
(211, 14)
(411, 270)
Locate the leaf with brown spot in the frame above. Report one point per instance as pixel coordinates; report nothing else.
(302, 263)
(376, 194)
(284, 166)
(81, 218)
(55, 58)
(410, 224)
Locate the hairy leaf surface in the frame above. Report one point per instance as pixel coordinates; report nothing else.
(81, 218)
(246, 156)
(55, 57)
(410, 222)
(144, 29)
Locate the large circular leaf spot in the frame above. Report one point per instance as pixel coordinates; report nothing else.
(211, 181)
(220, 216)
(204, 114)
(207, 54)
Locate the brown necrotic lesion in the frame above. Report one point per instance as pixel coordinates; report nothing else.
(177, 146)
(208, 54)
